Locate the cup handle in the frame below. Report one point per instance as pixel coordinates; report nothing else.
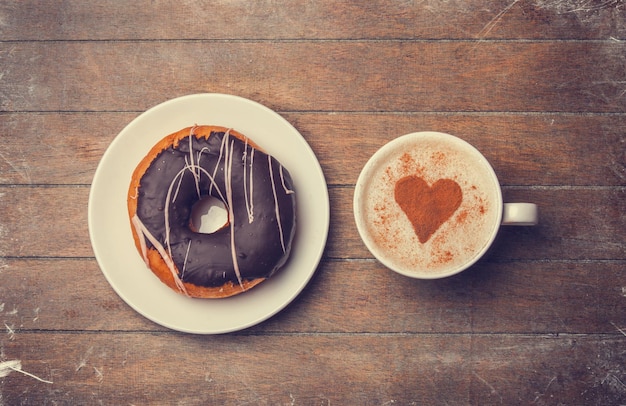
(520, 214)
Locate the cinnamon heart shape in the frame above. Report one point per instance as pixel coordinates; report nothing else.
(427, 207)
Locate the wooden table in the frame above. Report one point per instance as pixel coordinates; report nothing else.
(538, 86)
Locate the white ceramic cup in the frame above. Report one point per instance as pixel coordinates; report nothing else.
(398, 189)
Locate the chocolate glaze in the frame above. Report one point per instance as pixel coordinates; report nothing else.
(261, 243)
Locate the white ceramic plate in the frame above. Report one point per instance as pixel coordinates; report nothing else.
(110, 232)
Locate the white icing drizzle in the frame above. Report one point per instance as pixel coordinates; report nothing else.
(251, 181)
(219, 158)
(180, 180)
(228, 183)
(280, 226)
(282, 181)
(142, 231)
(248, 179)
(182, 274)
(202, 151)
(166, 211)
(142, 241)
(191, 163)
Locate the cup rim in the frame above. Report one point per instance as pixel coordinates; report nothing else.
(359, 190)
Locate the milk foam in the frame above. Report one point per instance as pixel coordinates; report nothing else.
(459, 240)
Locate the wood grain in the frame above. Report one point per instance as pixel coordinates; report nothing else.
(301, 19)
(137, 368)
(334, 76)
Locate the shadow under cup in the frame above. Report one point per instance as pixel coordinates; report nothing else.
(429, 205)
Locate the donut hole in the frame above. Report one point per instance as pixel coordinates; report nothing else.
(208, 215)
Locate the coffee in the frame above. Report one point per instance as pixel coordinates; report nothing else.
(428, 204)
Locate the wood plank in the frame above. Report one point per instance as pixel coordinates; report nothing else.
(546, 370)
(525, 149)
(53, 148)
(46, 222)
(318, 76)
(62, 294)
(359, 296)
(52, 222)
(301, 369)
(76, 20)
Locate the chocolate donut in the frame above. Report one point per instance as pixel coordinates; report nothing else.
(258, 195)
